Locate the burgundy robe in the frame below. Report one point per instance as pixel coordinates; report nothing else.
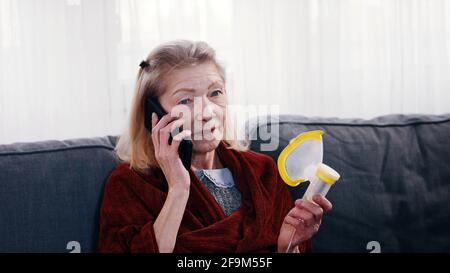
(132, 201)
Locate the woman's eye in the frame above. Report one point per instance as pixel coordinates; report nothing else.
(216, 93)
(184, 101)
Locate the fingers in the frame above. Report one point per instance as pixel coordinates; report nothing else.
(158, 125)
(295, 222)
(178, 138)
(306, 217)
(175, 125)
(162, 127)
(160, 136)
(165, 132)
(323, 202)
(158, 129)
(314, 209)
(155, 133)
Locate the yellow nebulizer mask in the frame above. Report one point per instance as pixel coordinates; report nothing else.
(301, 160)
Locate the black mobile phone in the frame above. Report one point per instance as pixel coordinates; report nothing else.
(185, 150)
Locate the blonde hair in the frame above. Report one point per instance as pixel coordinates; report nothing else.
(135, 144)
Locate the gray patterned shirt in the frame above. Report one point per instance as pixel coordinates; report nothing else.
(220, 184)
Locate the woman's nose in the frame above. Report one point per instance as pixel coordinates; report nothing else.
(206, 112)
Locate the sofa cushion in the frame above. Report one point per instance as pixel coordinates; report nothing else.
(395, 180)
(50, 194)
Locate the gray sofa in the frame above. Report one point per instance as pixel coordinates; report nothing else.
(393, 195)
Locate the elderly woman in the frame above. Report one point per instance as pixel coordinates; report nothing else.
(229, 200)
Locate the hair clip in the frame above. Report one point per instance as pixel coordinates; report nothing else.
(144, 64)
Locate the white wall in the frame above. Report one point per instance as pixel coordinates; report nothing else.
(67, 68)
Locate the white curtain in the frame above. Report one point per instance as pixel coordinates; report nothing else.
(67, 67)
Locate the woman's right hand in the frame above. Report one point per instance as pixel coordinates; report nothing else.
(167, 155)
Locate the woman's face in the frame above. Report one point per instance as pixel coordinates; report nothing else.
(199, 93)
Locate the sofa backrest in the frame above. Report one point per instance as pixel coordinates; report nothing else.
(50, 193)
(394, 190)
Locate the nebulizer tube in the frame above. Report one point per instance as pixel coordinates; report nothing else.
(300, 161)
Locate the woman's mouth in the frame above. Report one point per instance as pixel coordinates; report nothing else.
(206, 134)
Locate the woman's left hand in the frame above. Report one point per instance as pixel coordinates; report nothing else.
(305, 218)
